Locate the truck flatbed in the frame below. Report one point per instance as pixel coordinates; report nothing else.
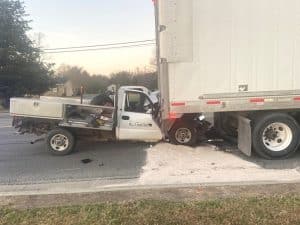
(68, 113)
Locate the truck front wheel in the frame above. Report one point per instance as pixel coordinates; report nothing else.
(183, 134)
(276, 136)
(60, 142)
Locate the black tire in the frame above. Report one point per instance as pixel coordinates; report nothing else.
(264, 134)
(183, 126)
(102, 100)
(67, 137)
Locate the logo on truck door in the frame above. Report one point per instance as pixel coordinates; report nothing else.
(137, 124)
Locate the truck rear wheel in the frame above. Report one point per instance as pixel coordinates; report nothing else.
(276, 136)
(183, 134)
(60, 142)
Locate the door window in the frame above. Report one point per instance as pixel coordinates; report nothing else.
(138, 103)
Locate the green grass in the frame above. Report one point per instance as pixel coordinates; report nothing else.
(276, 210)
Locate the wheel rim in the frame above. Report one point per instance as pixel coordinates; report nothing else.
(183, 135)
(59, 142)
(277, 137)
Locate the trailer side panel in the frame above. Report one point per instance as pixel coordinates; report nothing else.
(217, 47)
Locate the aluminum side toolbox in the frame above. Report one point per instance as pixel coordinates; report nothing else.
(36, 108)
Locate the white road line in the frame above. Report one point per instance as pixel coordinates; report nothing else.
(2, 127)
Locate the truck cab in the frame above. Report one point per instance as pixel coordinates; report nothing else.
(136, 115)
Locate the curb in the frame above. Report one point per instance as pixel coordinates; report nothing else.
(192, 193)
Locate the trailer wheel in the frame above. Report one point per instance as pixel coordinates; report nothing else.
(60, 142)
(183, 133)
(276, 136)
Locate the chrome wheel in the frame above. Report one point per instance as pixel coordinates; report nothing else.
(183, 135)
(277, 137)
(59, 142)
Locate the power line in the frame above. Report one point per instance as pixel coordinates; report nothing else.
(100, 45)
(101, 49)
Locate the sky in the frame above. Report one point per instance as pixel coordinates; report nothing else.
(66, 23)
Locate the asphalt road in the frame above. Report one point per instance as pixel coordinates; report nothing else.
(123, 163)
(23, 163)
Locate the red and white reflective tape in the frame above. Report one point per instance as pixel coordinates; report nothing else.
(213, 102)
(297, 99)
(178, 104)
(257, 100)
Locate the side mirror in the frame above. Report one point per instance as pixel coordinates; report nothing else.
(149, 109)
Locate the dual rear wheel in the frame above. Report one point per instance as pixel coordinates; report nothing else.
(275, 136)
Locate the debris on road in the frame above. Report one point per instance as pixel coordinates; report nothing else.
(37, 140)
(86, 161)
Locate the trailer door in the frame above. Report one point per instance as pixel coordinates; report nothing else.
(135, 120)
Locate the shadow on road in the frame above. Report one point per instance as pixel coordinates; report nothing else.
(291, 163)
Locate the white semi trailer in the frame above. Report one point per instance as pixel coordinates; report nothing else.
(237, 60)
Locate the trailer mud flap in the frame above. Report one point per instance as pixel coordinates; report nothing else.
(245, 136)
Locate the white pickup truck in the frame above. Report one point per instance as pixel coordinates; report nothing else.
(133, 117)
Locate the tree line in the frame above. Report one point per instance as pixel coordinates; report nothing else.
(98, 83)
